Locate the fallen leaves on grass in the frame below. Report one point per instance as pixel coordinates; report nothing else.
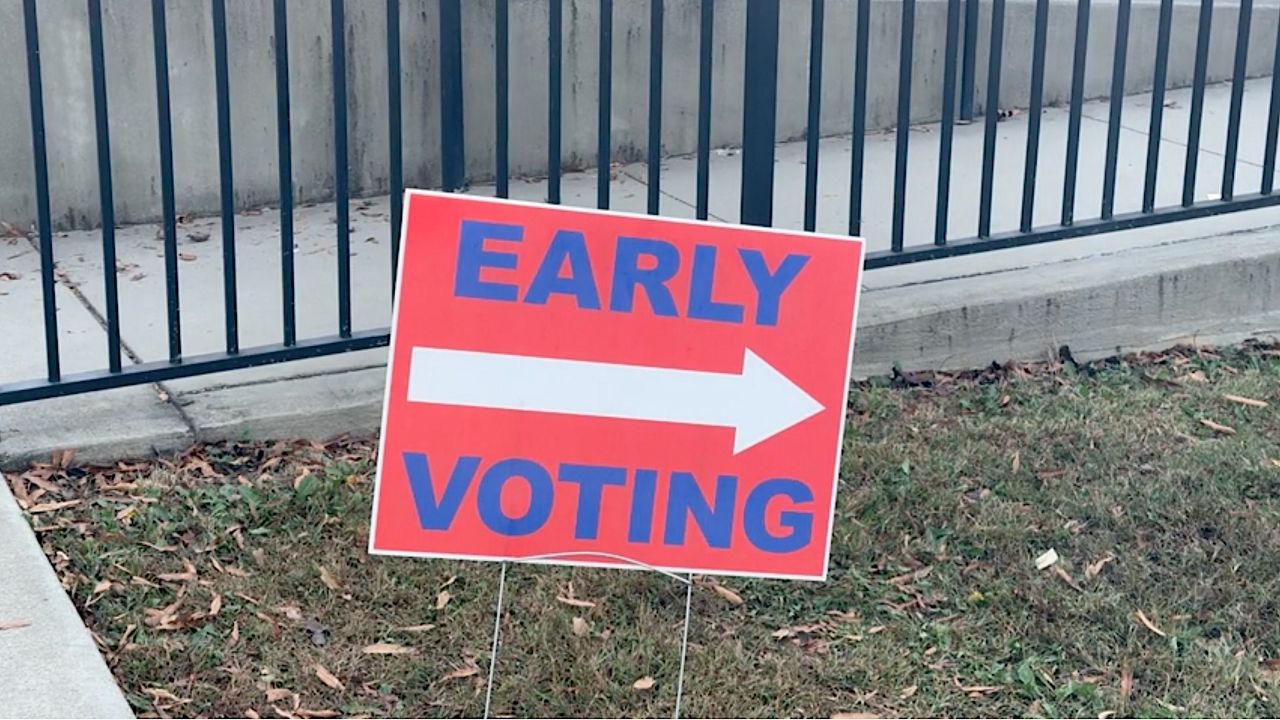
(1092, 570)
(783, 633)
(328, 678)
(914, 575)
(1126, 685)
(1066, 578)
(188, 573)
(386, 648)
(855, 716)
(51, 507)
(417, 628)
(1218, 427)
(275, 695)
(579, 626)
(163, 699)
(327, 578)
(908, 691)
(1195, 376)
(13, 624)
(1241, 400)
(729, 595)
(443, 599)
(466, 671)
(1142, 618)
(644, 683)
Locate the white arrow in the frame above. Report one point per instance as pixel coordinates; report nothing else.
(757, 403)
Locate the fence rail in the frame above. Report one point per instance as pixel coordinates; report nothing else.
(758, 140)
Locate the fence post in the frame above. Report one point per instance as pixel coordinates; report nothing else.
(968, 66)
(453, 156)
(759, 112)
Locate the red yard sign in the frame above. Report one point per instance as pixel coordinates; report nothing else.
(586, 387)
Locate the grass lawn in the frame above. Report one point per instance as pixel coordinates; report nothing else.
(234, 580)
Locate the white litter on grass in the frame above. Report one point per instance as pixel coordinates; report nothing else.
(1047, 559)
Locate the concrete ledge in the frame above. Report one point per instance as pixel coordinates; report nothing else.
(51, 667)
(316, 407)
(1212, 290)
(101, 427)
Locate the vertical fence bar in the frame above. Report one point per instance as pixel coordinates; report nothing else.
(947, 122)
(1197, 103)
(453, 156)
(992, 116)
(856, 160)
(813, 125)
(168, 212)
(706, 25)
(395, 139)
(1237, 100)
(555, 21)
(759, 112)
(1273, 124)
(1033, 114)
(903, 131)
(44, 223)
(1157, 105)
(1073, 121)
(655, 105)
(604, 109)
(226, 181)
(1117, 104)
(970, 67)
(501, 70)
(341, 170)
(284, 147)
(107, 202)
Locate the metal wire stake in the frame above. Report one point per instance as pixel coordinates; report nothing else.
(684, 644)
(497, 628)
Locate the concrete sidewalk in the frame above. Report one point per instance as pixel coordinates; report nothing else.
(1205, 281)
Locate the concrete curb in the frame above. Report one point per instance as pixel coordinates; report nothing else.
(58, 672)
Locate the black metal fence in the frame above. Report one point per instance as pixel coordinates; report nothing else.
(758, 151)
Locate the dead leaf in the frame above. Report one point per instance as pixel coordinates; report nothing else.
(259, 557)
(909, 691)
(646, 682)
(724, 592)
(855, 716)
(328, 678)
(305, 713)
(50, 507)
(13, 624)
(188, 573)
(292, 612)
(575, 602)
(275, 695)
(911, 577)
(443, 599)
(101, 587)
(187, 257)
(1142, 618)
(1091, 571)
(1217, 427)
(417, 628)
(1126, 684)
(385, 648)
(1017, 462)
(215, 605)
(1238, 399)
(1194, 376)
(465, 671)
(579, 626)
(329, 581)
(1057, 569)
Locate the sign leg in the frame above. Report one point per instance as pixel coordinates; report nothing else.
(497, 630)
(684, 644)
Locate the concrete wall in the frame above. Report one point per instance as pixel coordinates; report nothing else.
(130, 80)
